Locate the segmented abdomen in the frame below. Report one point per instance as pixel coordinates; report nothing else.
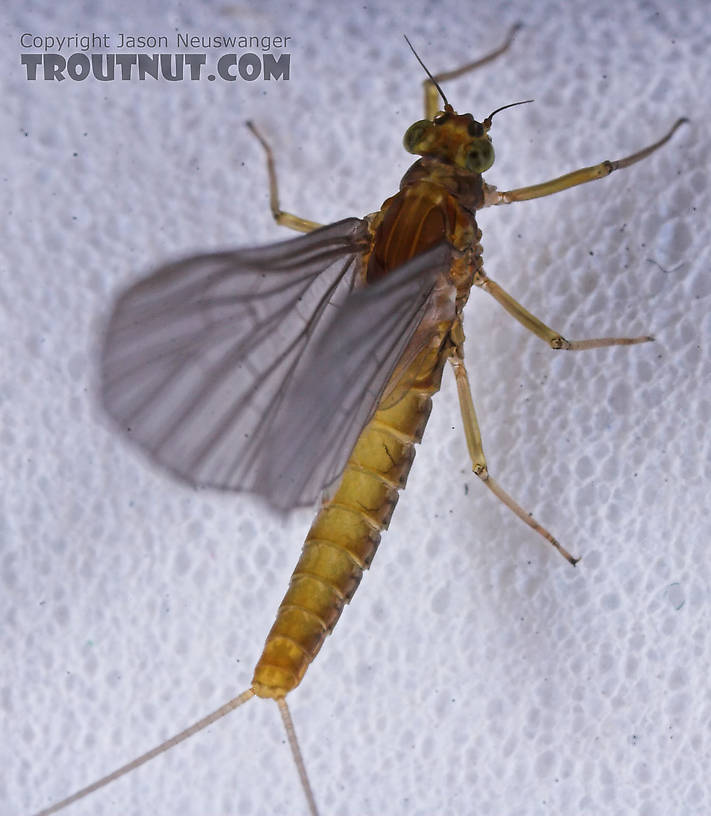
(346, 532)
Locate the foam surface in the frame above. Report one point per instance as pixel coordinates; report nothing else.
(475, 672)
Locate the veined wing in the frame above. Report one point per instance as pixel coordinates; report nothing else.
(255, 370)
(335, 395)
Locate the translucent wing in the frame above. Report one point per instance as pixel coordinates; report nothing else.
(327, 406)
(214, 364)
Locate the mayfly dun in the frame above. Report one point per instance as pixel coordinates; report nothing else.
(305, 370)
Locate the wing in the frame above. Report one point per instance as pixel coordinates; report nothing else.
(327, 406)
(238, 370)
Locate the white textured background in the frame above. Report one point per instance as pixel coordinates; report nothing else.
(475, 673)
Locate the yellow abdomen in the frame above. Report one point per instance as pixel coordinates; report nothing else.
(346, 532)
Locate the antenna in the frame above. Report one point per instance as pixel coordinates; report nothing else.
(432, 79)
(487, 122)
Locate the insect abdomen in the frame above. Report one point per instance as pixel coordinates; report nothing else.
(345, 535)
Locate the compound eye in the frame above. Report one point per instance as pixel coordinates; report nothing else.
(415, 134)
(480, 156)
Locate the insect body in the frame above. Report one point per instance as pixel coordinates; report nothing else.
(429, 262)
(309, 365)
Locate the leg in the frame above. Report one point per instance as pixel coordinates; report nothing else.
(432, 100)
(492, 196)
(476, 450)
(282, 218)
(533, 324)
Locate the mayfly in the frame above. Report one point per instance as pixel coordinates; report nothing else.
(305, 370)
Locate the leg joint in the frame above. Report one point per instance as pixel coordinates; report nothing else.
(480, 279)
(559, 342)
(481, 471)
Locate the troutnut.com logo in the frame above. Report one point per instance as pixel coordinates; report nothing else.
(78, 56)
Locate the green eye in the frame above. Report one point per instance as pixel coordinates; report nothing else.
(415, 134)
(480, 156)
